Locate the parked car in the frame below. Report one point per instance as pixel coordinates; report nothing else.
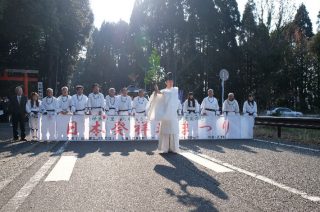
(283, 111)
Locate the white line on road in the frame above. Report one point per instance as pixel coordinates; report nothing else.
(16, 201)
(63, 170)
(262, 178)
(288, 145)
(205, 162)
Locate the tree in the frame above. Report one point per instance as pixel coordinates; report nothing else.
(44, 35)
(303, 22)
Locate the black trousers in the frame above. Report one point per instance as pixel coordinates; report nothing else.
(18, 119)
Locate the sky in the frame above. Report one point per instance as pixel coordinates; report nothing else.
(115, 10)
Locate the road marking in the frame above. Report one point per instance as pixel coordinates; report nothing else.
(15, 202)
(63, 170)
(288, 145)
(262, 178)
(8, 180)
(205, 162)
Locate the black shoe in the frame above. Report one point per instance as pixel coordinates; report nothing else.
(23, 139)
(16, 139)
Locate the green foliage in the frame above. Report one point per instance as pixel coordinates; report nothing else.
(303, 22)
(155, 73)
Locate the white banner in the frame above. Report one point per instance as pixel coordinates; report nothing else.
(102, 127)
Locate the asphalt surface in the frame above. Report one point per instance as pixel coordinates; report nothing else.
(133, 176)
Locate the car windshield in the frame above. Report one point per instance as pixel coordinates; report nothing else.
(284, 110)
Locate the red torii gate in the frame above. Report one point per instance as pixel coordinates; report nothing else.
(25, 78)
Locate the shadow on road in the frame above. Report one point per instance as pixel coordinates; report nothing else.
(82, 148)
(249, 146)
(186, 174)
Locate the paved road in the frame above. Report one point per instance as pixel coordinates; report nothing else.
(227, 175)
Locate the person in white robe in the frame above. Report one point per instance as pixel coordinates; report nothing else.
(112, 107)
(125, 111)
(210, 111)
(163, 107)
(79, 102)
(191, 110)
(250, 111)
(96, 101)
(230, 106)
(49, 108)
(209, 105)
(139, 107)
(64, 101)
(125, 103)
(33, 109)
(250, 107)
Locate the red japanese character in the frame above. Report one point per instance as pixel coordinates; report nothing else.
(72, 128)
(137, 128)
(185, 128)
(225, 126)
(96, 129)
(119, 127)
(144, 129)
(209, 128)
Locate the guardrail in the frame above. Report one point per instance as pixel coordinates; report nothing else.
(291, 122)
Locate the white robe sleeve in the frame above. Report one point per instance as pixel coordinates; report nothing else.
(203, 105)
(197, 106)
(156, 107)
(28, 107)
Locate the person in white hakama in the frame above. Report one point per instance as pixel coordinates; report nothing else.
(191, 113)
(209, 105)
(139, 107)
(163, 107)
(96, 102)
(250, 110)
(125, 109)
(33, 108)
(79, 102)
(125, 103)
(250, 107)
(64, 101)
(49, 108)
(230, 106)
(112, 106)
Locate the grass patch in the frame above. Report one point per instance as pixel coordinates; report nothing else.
(305, 136)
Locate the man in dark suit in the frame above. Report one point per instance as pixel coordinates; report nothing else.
(17, 109)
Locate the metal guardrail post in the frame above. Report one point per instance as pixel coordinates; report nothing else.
(279, 131)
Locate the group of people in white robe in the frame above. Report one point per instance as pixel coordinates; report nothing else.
(163, 107)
